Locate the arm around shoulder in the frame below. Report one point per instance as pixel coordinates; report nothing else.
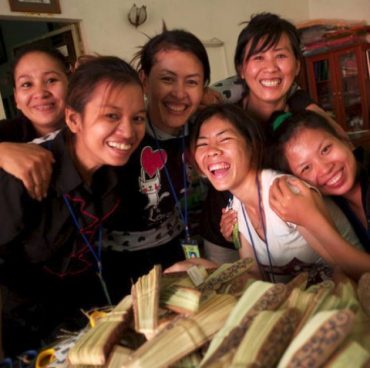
(30, 163)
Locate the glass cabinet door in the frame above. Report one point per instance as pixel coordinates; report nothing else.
(324, 85)
(349, 91)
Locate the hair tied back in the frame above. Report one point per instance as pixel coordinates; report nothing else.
(280, 120)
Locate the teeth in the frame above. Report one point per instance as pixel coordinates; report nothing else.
(270, 82)
(334, 179)
(176, 108)
(120, 146)
(218, 166)
(44, 107)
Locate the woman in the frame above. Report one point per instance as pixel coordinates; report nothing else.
(267, 61)
(227, 147)
(49, 261)
(156, 189)
(306, 145)
(40, 80)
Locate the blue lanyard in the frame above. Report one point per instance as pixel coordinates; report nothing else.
(264, 232)
(91, 248)
(183, 214)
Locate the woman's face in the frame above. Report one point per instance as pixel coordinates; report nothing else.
(221, 154)
(322, 160)
(270, 74)
(174, 88)
(40, 91)
(111, 126)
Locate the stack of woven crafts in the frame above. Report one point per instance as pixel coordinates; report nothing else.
(228, 319)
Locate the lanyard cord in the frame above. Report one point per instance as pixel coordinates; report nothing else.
(252, 241)
(87, 242)
(272, 276)
(184, 215)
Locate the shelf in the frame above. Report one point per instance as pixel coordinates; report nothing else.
(349, 75)
(337, 80)
(358, 133)
(360, 138)
(350, 102)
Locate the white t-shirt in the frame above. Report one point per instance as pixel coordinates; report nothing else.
(289, 252)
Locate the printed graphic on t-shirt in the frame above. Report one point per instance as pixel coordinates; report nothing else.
(152, 162)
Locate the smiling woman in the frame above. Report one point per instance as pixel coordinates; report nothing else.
(109, 127)
(228, 151)
(267, 60)
(49, 259)
(40, 86)
(40, 79)
(177, 79)
(159, 189)
(306, 145)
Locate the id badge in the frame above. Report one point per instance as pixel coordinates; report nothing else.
(190, 248)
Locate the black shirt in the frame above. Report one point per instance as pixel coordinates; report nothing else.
(19, 130)
(47, 268)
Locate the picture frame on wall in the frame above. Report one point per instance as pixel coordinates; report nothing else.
(368, 61)
(35, 6)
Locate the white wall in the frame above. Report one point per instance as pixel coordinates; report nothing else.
(341, 9)
(105, 28)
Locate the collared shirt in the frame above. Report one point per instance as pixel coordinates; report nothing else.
(21, 130)
(39, 239)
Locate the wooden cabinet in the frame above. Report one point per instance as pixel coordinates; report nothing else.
(338, 80)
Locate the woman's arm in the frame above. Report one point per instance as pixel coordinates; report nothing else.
(185, 265)
(30, 163)
(336, 251)
(307, 209)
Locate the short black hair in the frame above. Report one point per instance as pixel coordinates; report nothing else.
(278, 136)
(248, 128)
(269, 28)
(176, 39)
(49, 51)
(91, 71)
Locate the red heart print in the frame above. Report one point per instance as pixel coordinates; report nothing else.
(152, 161)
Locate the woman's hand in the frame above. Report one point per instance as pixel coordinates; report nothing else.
(228, 218)
(293, 201)
(305, 207)
(30, 163)
(183, 266)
